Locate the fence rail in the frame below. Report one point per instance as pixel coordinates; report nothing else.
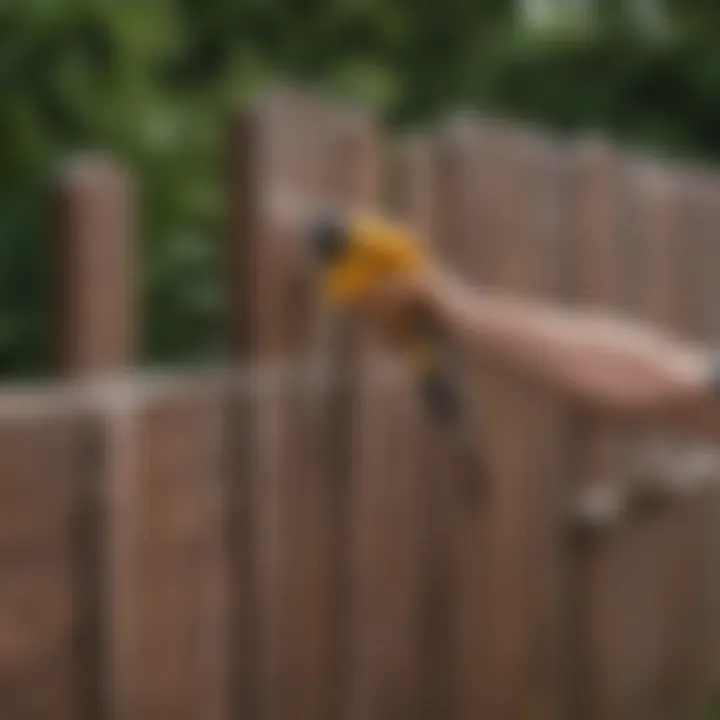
(269, 541)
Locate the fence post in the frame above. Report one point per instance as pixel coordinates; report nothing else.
(93, 247)
(94, 238)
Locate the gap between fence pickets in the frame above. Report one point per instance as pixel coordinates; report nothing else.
(118, 392)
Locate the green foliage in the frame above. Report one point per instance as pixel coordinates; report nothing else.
(83, 75)
(152, 80)
(660, 94)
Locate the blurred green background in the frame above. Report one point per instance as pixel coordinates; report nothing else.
(153, 79)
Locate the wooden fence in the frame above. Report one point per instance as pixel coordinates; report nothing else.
(268, 542)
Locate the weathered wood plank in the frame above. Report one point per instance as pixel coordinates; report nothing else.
(387, 509)
(95, 217)
(49, 638)
(528, 433)
(460, 507)
(166, 556)
(596, 228)
(661, 246)
(298, 154)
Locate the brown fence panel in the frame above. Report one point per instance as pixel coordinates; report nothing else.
(385, 505)
(298, 155)
(297, 546)
(703, 313)
(507, 620)
(166, 559)
(544, 247)
(698, 317)
(603, 670)
(676, 232)
(242, 433)
(385, 631)
(442, 481)
(404, 524)
(507, 436)
(638, 590)
(635, 587)
(49, 634)
(386, 513)
(300, 540)
(631, 606)
(530, 263)
(460, 507)
(661, 249)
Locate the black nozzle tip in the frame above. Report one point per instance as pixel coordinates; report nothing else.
(328, 236)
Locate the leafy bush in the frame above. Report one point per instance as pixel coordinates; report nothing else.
(152, 81)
